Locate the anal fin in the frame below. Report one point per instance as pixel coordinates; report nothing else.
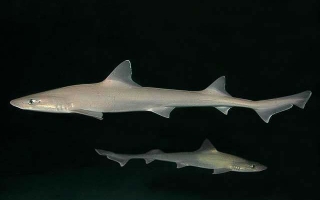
(162, 111)
(97, 115)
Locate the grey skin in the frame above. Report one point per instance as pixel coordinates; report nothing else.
(207, 157)
(119, 93)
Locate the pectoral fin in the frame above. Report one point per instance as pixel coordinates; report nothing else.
(221, 170)
(97, 115)
(180, 165)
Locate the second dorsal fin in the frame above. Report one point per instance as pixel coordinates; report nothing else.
(121, 75)
(207, 146)
(217, 87)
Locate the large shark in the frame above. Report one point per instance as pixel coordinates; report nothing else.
(119, 93)
(206, 157)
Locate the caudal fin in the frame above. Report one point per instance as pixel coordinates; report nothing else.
(274, 106)
(301, 99)
(121, 159)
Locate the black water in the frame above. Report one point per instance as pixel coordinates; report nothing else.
(264, 49)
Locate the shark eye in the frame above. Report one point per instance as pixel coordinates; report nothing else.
(252, 166)
(32, 101)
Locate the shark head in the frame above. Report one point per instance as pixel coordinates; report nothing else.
(42, 103)
(247, 166)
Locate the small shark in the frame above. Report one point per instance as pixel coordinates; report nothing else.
(207, 157)
(119, 93)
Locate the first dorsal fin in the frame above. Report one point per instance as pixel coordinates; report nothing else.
(207, 146)
(218, 87)
(121, 75)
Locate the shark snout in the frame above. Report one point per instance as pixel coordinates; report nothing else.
(14, 103)
(261, 168)
(18, 103)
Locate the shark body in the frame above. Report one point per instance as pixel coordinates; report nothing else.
(207, 157)
(119, 93)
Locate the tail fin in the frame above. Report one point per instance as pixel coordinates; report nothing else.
(301, 98)
(266, 113)
(121, 159)
(285, 103)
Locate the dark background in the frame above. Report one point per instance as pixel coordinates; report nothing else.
(264, 49)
